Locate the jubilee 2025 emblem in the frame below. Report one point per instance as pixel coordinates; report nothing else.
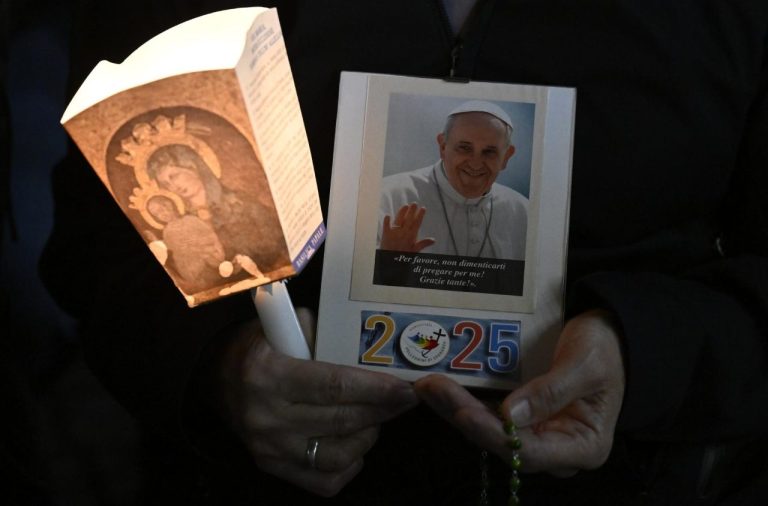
(424, 343)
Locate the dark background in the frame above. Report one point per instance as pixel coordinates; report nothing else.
(63, 440)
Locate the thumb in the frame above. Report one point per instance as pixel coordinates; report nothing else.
(540, 398)
(578, 371)
(424, 243)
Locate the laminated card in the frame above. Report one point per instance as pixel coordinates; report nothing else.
(199, 138)
(447, 228)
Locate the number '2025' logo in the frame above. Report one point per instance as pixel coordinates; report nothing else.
(426, 343)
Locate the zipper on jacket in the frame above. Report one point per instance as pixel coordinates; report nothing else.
(457, 41)
(475, 22)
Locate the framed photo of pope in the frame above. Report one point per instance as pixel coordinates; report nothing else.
(447, 228)
(447, 210)
(455, 193)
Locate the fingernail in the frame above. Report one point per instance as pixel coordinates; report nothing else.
(520, 413)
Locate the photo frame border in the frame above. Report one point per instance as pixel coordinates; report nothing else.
(379, 90)
(339, 319)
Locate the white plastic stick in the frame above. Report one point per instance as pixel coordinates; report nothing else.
(279, 320)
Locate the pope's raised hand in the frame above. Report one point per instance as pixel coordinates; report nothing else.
(403, 234)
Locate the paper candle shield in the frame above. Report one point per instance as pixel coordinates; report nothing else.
(199, 138)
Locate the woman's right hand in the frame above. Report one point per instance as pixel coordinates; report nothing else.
(278, 404)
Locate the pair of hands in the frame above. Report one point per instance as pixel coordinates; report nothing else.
(566, 418)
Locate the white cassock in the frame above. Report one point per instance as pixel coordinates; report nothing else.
(491, 226)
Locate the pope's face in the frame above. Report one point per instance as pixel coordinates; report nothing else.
(474, 152)
(182, 181)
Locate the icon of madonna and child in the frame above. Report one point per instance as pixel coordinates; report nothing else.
(200, 199)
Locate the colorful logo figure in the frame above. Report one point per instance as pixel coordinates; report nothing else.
(424, 343)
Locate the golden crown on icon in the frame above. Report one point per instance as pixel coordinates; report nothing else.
(145, 139)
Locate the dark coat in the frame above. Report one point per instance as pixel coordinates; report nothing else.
(669, 230)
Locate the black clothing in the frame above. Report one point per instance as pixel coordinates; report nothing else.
(669, 230)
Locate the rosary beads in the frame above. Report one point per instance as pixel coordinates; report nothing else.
(514, 443)
(515, 463)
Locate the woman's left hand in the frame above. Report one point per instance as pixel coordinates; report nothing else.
(566, 418)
